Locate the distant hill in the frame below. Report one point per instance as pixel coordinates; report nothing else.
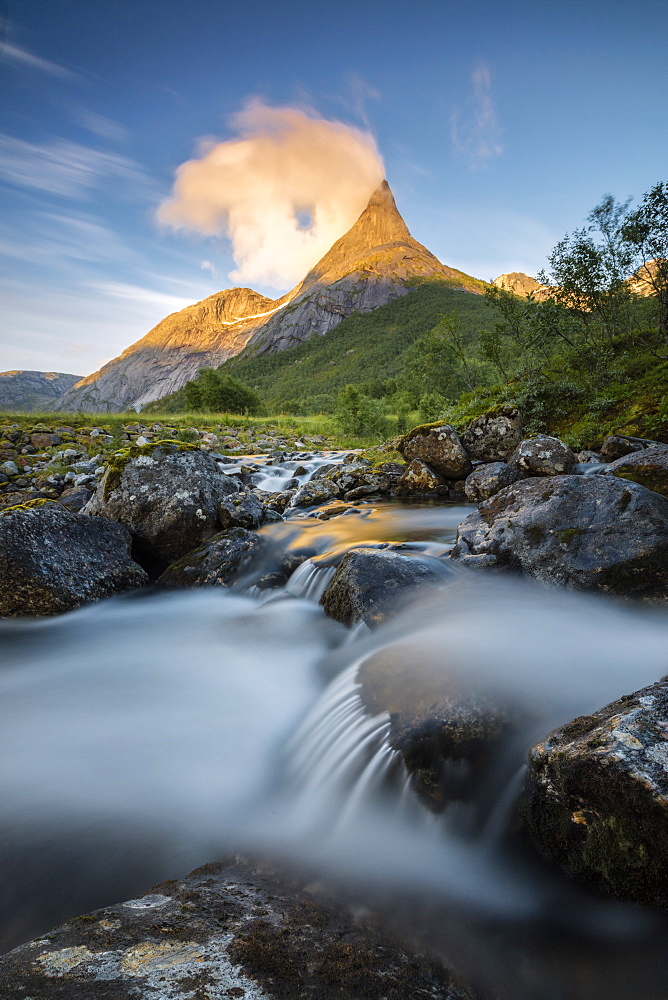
(30, 391)
(371, 265)
(360, 349)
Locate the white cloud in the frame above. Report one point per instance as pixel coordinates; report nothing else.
(17, 56)
(475, 131)
(61, 167)
(106, 128)
(206, 265)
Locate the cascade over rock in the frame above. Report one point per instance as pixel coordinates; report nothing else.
(370, 265)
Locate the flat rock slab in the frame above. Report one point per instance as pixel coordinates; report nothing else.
(53, 560)
(589, 533)
(596, 796)
(225, 931)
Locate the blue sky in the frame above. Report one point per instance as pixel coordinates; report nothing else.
(501, 124)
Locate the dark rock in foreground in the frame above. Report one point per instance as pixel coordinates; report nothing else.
(220, 560)
(166, 494)
(648, 467)
(52, 560)
(590, 533)
(596, 796)
(225, 931)
(369, 583)
(494, 436)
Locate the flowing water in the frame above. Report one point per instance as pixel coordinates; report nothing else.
(148, 734)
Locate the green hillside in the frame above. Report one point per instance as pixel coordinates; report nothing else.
(361, 349)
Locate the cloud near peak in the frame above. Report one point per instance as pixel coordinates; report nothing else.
(284, 189)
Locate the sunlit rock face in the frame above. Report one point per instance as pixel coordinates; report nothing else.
(366, 268)
(521, 284)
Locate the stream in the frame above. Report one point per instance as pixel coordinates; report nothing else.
(154, 732)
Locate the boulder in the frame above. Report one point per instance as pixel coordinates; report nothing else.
(44, 440)
(618, 445)
(315, 492)
(596, 796)
(368, 584)
(494, 436)
(166, 494)
(76, 498)
(421, 480)
(543, 456)
(437, 717)
(224, 931)
(52, 560)
(589, 533)
(371, 483)
(648, 467)
(220, 560)
(439, 446)
(485, 481)
(241, 510)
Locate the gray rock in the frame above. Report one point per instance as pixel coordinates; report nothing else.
(166, 495)
(369, 583)
(315, 492)
(219, 561)
(487, 480)
(419, 479)
(542, 456)
(224, 931)
(588, 457)
(648, 467)
(371, 483)
(494, 436)
(590, 533)
(75, 499)
(439, 446)
(618, 445)
(52, 560)
(241, 510)
(596, 796)
(9, 468)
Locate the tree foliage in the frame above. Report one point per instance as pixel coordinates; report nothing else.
(217, 391)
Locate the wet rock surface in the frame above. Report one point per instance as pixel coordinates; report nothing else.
(225, 931)
(53, 560)
(596, 796)
(241, 510)
(165, 494)
(494, 436)
(439, 446)
(649, 467)
(485, 481)
(581, 532)
(369, 583)
(437, 719)
(542, 456)
(220, 560)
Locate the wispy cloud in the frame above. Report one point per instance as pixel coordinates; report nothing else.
(206, 265)
(475, 131)
(63, 168)
(148, 297)
(14, 55)
(106, 128)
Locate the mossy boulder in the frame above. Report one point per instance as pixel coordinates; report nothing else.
(53, 560)
(596, 796)
(494, 436)
(439, 446)
(648, 467)
(585, 532)
(166, 494)
(542, 456)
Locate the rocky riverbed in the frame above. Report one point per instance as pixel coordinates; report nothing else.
(401, 551)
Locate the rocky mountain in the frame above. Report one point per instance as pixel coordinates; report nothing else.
(29, 391)
(520, 284)
(372, 264)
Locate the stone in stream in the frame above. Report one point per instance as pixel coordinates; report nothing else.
(589, 533)
(241, 510)
(596, 796)
(542, 456)
(419, 479)
(487, 480)
(648, 467)
(227, 930)
(52, 560)
(437, 717)
(439, 446)
(494, 436)
(369, 583)
(166, 494)
(315, 492)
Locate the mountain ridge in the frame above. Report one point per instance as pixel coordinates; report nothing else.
(371, 264)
